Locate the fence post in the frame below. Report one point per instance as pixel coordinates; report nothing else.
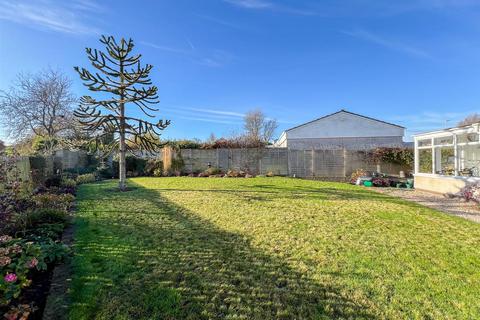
(167, 158)
(313, 162)
(259, 165)
(344, 162)
(304, 163)
(288, 163)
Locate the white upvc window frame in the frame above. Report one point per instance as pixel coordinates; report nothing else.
(454, 133)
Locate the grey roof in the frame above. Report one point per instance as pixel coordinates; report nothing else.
(345, 111)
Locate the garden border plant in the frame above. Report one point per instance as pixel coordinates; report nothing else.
(31, 228)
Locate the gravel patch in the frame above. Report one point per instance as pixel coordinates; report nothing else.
(453, 206)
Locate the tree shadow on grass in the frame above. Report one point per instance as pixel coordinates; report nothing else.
(165, 262)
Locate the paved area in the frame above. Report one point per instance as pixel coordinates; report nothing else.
(453, 206)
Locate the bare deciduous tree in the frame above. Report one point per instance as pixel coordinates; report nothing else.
(471, 119)
(38, 103)
(259, 128)
(212, 138)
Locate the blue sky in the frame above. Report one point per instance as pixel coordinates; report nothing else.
(412, 62)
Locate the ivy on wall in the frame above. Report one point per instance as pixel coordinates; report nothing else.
(400, 156)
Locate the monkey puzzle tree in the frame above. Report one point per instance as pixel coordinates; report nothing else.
(123, 82)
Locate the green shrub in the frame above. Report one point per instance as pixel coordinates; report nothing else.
(54, 201)
(177, 164)
(18, 259)
(86, 178)
(400, 156)
(54, 181)
(154, 167)
(135, 165)
(29, 222)
(115, 169)
(45, 231)
(73, 172)
(158, 172)
(69, 183)
(105, 172)
(37, 162)
(184, 144)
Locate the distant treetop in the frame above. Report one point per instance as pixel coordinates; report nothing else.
(471, 119)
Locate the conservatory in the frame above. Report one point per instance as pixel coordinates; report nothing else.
(447, 160)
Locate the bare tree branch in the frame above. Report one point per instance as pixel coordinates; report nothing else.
(259, 128)
(471, 119)
(38, 103)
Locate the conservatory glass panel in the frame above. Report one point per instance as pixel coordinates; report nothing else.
(425, 161)
(443, 141)
(425, 143)
(445, 161)
(467, 137)
(469, 160)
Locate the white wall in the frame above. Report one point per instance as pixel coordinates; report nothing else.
(282, 141)
(344, 124)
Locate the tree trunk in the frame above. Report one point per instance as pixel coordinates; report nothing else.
(122, 184)
(122, 174)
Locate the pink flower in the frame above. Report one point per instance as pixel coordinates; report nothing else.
(32, 263)
(10, 277)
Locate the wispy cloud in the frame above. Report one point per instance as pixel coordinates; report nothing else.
(190, 43)
(251, 4)
(88, 5)
(230, 114)
(387, 43)
(207, 115)
(67, 17)
(208, 58)
(221, 116)
(165, 48)
(272, 6)
(215, 59)
(211, 120)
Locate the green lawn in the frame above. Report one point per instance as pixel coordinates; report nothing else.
(268, 248)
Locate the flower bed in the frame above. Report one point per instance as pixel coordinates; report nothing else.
(471, 193)
(31, 227)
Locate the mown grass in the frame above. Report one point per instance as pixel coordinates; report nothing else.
(268, 248)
